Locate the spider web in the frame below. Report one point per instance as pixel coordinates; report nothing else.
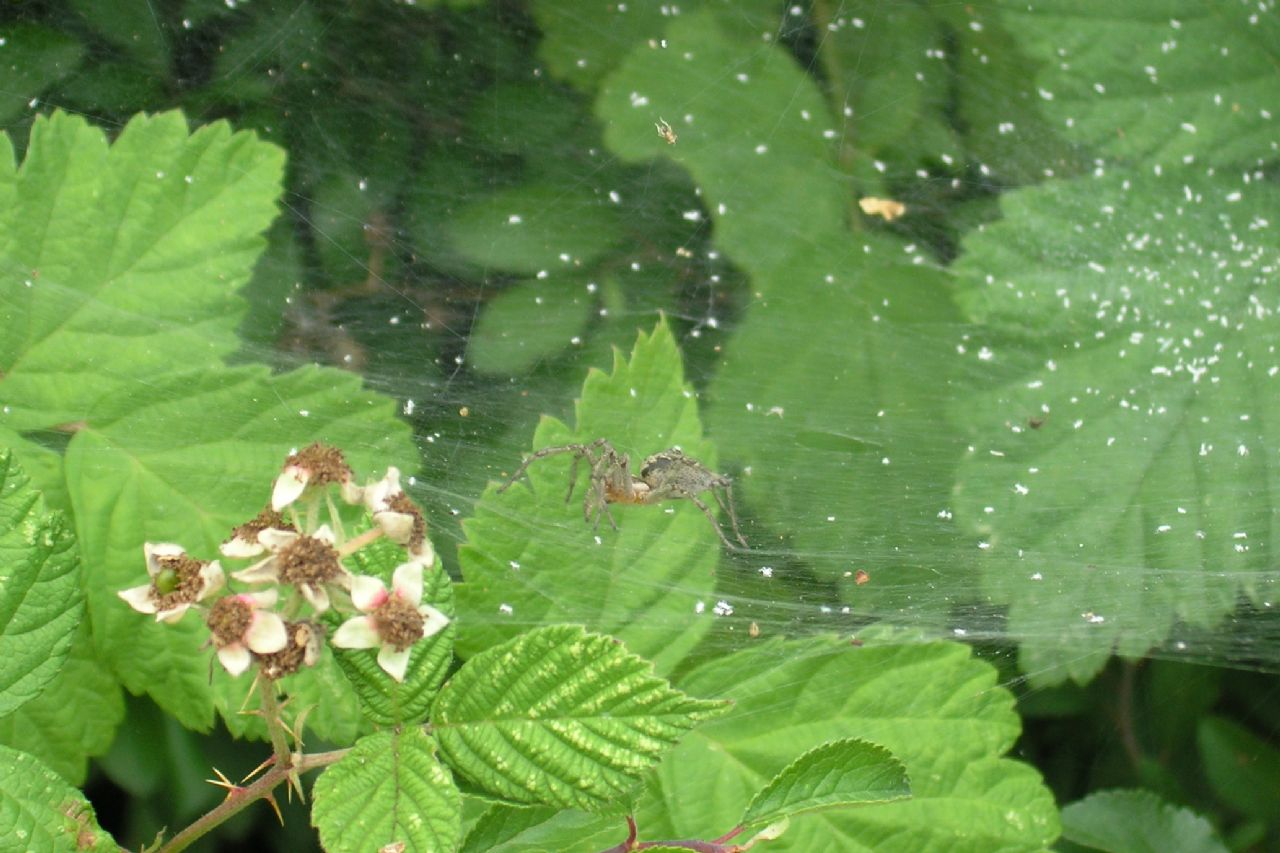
(481, 212)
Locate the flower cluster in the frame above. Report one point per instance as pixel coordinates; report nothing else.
(302, 565)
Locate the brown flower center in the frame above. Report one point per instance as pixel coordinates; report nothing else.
(229, 619)
(308, 561)
(301, 650)
(400, 502)
(267, 518)
(177, 582)
(324, 463)
(399, 623)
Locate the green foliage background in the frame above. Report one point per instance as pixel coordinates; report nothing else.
(1036, 411)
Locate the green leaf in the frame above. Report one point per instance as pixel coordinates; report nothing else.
(528, 323)
(561, 717)
(846, 772)
(1155, 83)
(40, 598)
(32, 58)
(934, 706)
(390, 788)
(892, 69)
(134, 478)
(134, 27)
(1126, 400)
(755, 134)
(1137, 822)
(385, 701)
(74, 719)
(40, 811)
(123, 261)
(530, 559)
(1242, 768)
(533, 228)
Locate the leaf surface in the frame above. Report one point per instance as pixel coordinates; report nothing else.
(531, 560)
(1137, 822)
(40, 598)
(40, 811)
(1126, 399)
(561, 717)
(1155, 83)
(390, 788)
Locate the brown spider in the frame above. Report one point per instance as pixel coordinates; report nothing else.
(669, 475)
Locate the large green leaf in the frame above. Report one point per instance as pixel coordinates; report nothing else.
(848, 772)
(561, 717)
(1120, 461)
(530, 559)
(183, 459)
(758, 140)
(121, 262)
(934, 706)
(40, 598)
(40, 811)
(529, 322)
(536, 228)
(1137, 822)
(74, 719)
(389, 789)
(1156, 82)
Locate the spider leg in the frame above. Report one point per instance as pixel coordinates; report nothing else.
(706, 510)
(726, 504)
(577, 449)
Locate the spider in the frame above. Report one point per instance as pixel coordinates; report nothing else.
(669, 475)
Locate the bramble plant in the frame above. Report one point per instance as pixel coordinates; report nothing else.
(558, 716)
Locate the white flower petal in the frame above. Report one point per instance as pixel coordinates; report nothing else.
(291, 483)
(425, 554)
(316, 596)
(266, 633)
(398, 526)
(262, 598)
(359, 632)
(277, 539)
(212, 579)
(154, 551)
(394, 663)
(325, 534)
(434, 620)
(173, 614)
(237, 548)
(367, 592)
(263, 571)
(139, 598)
(407, 582)
(377, 494)
(234, 658)
(351, 493)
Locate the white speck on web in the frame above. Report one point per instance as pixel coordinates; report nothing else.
(506, 609)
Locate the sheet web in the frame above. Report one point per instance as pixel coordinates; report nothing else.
(1033, 413)
(476, 270)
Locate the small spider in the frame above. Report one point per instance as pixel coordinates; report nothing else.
(669, 475)
(665, 131)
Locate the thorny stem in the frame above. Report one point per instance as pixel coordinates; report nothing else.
(239, 798)
(719, 845)
(275, 726)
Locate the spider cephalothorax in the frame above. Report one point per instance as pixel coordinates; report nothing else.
(665, 476)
